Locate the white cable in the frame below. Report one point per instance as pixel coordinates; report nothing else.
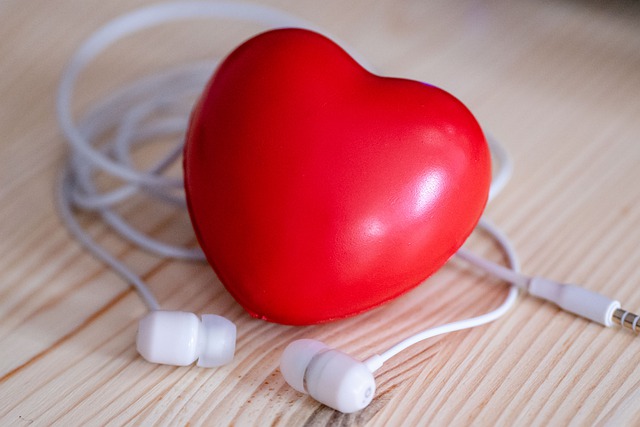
(134, 22)
(62, 198)
(375, 362)
(505, 166)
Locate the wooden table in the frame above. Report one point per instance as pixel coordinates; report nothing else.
(557, 82)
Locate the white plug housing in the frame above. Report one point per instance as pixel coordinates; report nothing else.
(329, 376)
(588, 304)
(180, 338)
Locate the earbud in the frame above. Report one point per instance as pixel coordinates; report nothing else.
(329, 376)
(180, 338)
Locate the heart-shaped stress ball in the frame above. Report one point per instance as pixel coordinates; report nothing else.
(318, 190)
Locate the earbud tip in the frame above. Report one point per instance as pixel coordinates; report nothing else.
(218, 341)
(295, 359)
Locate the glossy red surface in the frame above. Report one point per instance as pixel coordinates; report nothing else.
(319, 190)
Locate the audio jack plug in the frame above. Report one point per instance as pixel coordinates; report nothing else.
(572, 298)
(626, 320)
(584, 303)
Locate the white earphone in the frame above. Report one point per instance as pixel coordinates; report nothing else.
(329, 376)
(179, 338)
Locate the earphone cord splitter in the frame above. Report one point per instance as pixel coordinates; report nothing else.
(157, 106)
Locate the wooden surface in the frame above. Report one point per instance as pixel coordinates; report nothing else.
(557, 81)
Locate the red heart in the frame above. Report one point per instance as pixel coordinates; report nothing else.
(319, 190)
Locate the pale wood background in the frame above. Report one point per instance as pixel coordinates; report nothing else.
(557, 81)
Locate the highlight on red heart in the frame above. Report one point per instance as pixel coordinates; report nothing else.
(319, 190)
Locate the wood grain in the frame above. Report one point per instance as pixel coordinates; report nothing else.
(558, 82)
